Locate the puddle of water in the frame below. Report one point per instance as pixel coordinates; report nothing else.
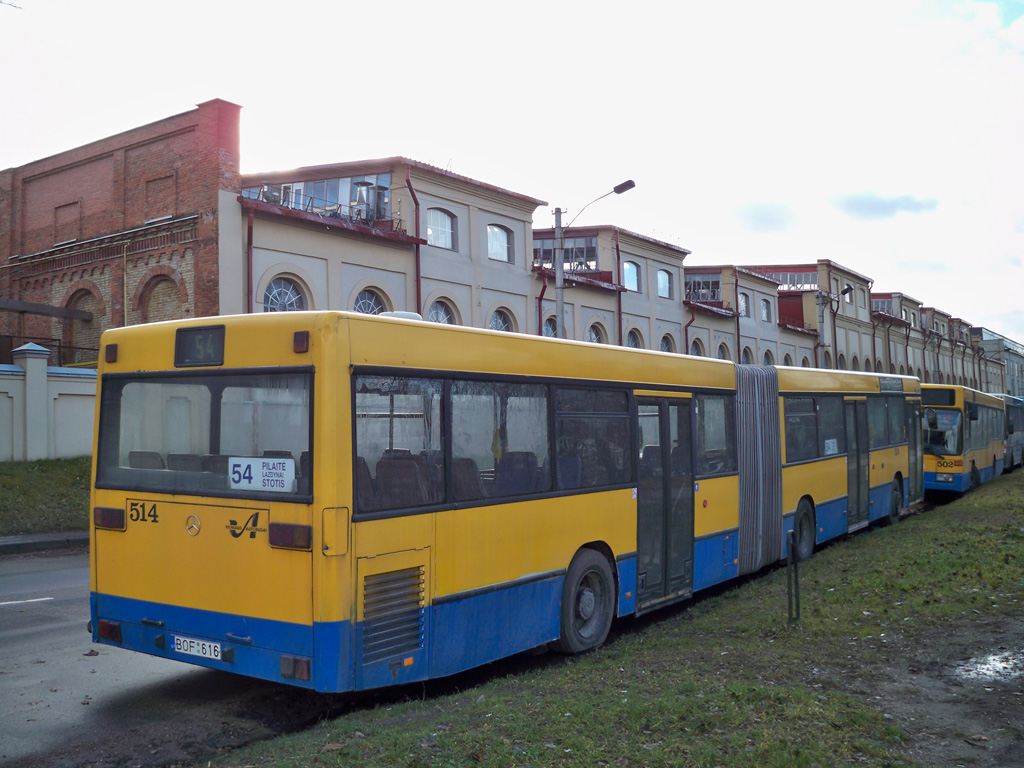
(1004, 666)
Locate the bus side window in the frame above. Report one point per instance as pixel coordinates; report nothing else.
(367, 498)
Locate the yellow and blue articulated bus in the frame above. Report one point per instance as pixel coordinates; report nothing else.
(964, 437)
(342, 502)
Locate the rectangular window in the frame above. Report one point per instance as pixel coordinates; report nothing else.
(664, 284)
(801, 429)
(499, 440)
(878, 422)
(714, 435)
(221, 435)
(593, 438)
(831, 426)
(399, 441)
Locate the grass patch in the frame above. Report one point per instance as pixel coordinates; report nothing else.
(44, 496)
(725, 680)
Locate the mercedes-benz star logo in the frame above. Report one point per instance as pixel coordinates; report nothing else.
(192, 525)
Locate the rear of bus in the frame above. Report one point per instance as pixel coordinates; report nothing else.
(202, 497)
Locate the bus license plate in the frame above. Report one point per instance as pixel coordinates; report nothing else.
(192, 647)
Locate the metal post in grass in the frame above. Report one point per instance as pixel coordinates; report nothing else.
(792, 578)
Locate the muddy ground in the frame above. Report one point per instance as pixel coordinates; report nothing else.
(958, 696)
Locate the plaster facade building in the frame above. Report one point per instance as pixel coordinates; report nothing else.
(158, 223)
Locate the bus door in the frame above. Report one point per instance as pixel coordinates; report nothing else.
(914, 449)
(857, 464)
(664, 503)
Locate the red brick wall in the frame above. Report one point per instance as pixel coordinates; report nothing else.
(170, 171)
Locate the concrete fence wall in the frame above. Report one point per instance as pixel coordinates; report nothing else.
(45, 412)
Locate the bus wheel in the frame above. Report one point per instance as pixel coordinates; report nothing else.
(588, 601)
(897, 503)
(803, 526)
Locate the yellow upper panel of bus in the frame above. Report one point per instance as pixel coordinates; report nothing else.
(818, 380)
(259, 340)
(966, 394)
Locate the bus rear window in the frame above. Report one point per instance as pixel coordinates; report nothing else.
(237, 434)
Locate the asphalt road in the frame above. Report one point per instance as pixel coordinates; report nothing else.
(56, 687)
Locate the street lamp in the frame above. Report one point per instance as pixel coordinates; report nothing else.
(823, 298)
(560, 266)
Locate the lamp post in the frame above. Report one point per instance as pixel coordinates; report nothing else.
(822, 298)
(560, 266)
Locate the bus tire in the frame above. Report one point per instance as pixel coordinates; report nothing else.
(803, 530)
(897, 502)
(588, 603)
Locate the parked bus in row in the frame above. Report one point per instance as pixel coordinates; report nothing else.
(1014, 456)
(964, 432)
(342, 501)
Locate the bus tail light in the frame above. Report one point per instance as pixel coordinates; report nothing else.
(110, 630)
(291, 536)
(109, 517)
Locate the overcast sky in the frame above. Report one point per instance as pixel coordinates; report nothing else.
(887, 136)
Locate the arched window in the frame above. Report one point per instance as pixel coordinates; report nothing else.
(744, 307)
(441, 229)
(667, 344)
(631, 276)
(441, 312)
(902, 371)
(746, 358)
(595, 334)
(283, 295)
(766, 311)
(369, 302)
(550, 327)
(848, 293)
(804, 362)
(828, 360)
(501, 321)
(841, 365)
(84, 335)
(769, 359)
(696, 348)
(787, 360)
(499, 243)
(856, 365)
(633, 340)
(723, 352)
(664, 284)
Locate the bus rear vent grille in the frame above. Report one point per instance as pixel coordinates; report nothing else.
(392, 614)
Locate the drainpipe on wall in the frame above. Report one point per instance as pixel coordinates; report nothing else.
(124, 287)
(736, 311)
(540, 304)
(618, 273)
(416, 216)
(248, 263)
(686, 332)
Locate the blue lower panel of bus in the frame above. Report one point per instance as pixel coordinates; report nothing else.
(248, 646)
(715, 559)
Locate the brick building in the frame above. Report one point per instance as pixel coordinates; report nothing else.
(121, 231)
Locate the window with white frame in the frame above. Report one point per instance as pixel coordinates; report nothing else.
(501, 321)
(441, 312)
(499, 243)
(664, 284)
(369, 302)
(631, 276)
(441, 229)
(766, 311)
(284, 295)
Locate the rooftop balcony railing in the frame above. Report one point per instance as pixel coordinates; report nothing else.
(365, 214)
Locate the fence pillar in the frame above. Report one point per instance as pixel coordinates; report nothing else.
(32, 358)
